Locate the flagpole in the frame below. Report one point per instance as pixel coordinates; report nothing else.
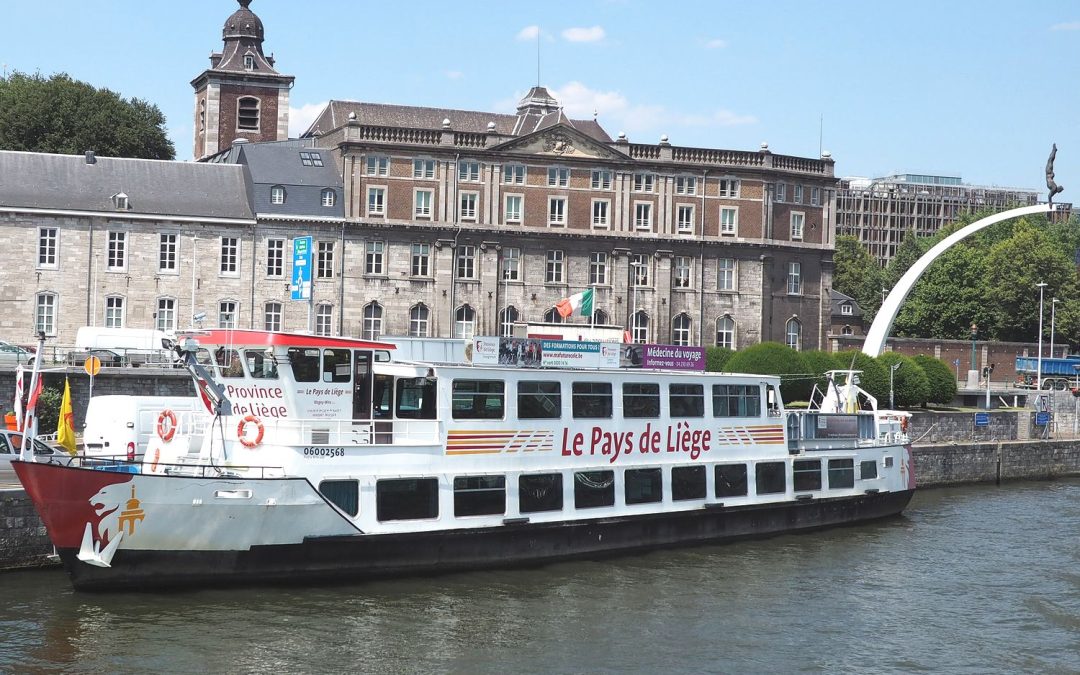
(31, 405)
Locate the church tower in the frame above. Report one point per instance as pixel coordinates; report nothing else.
(240, 95)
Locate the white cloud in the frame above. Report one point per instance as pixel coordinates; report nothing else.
(1072, 25)
(528, 33)
(716, 43)
(594, 34)
(454, 74)
(301, 118)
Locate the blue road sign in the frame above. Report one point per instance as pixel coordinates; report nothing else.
(301, 278)
(1042, 419)
(982, 419)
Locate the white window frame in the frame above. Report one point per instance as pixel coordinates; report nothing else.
(372, 321)
(798, 225)
(793, 334)
(794, 278)
(845, 309)
(465, 262)
(116, 251)
(168, 253)
(684, 225)
(376, 165)
(601, 179)
(376, 201)
(165, 314)
(797, 194)
(727, 275)
(228, 307)
(729, 187)
(115, 311)
(682, 329)
(558, 176)
(598, 268)
(644, 182)
(464, 322)
(638, 262)
(639, 326)
(643, 216)
(511, 262)
(467, 213)
(375, 258)
(423, 169)
(468, 171)
(275, 258)
(555, 267)
(324, 259)
(273, 313)
(514, 174)
(602, 220)
(557, 217)
(815, 196)
(48, 248)
(511, 215)
(229, 249)
(324, 319)
(423, 210)
(419, 320)
(729, 227)
(328, 198)
(726, 328)
(420, 257)
(686, 185)
(277, 195)
(45, 313)
(683, 272)
(781, 193)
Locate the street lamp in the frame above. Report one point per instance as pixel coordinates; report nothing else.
(1053, 311)
(1038, 361)
(974, 334)
(892, 370)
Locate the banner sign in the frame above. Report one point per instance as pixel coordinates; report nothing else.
(663, 357)
(536, 353)
(301, 285)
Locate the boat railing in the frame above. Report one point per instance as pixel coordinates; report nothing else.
(120, 464)
(811, 430)
(327, 432)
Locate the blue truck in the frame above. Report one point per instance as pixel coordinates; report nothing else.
(1057, 373)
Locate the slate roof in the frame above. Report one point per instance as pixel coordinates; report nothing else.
(154, 187)
(270, 164)
(839, 299)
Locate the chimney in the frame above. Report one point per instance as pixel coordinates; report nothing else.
(90, 158)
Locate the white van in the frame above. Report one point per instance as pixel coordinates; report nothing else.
(133, 346)
(119, 426)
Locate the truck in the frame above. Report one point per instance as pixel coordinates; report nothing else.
(1057, 373)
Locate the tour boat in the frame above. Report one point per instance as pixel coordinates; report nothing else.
(322, 459)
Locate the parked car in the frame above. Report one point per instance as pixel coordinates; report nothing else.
(109, 359)
(13, 355)
(10, 444)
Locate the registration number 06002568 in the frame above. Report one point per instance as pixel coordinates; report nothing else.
(324, 452)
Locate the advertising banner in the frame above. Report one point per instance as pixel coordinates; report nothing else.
(536, 353)
(663, 357)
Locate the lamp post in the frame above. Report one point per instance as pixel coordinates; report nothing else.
(974, 334)
(1053, 311)
(892, 370)
(1038, 361)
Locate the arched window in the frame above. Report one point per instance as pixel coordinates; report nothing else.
(372, 326)
(600, 317)
(681, 330)
(464, 322)
(553, 316)
(418, 320)
(247, 114)
(846, 330)
(328, 197)
(324, 319)
(507, 317)
(794, 333)
(639, 327)
(725, 332)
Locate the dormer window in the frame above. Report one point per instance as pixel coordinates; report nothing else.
(310, 158)
(277, 194)
(249, 62)
(328, 197)
(247, 114)
(845, 309)
(120, 202)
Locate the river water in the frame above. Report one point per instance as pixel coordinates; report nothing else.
(976, 579)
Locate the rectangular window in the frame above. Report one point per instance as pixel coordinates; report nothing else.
(275, 257)
(683, 272)
(684, 219)
(423, 168)
(540, 492)
(797, 221)
(598, 267)
(421, 260)
(376, 165)
(558, 177)
(639, 263)
(48, 238)
(687, 482)
(686, 400)
(794, 279)
(467, 205)
(465, 262)
(277, 195)
(643, 486)
(594, 489)
(478, 399)
(511, 264)
(422, 204)
(167, 250)
(643, 216)
(45, 316)
(815, 196)
(539, 400)
(729, 187)
(165, 318)
(841, 473)
(230, 255)
(729, 220)
(469, 172)
(343, 493)
(227, 314)
(643, 182)
(513, 208)
(730, 480)
(375, 258)
(601, 208)
(514, 174)
(591, 400)
(310, 158)
(117, 252)
(272, 316)
(555, 267)
(601, 179)
(781, 192)
(557, 211)
(796, 195)
(686, 185)
(806, 475)
(376, 201)
(407, 499)
(641, 400)
(736, 400)
(479, 495)
(324, 260)
(725, 276)
(770, 478)
(114, 312)
(867, 469)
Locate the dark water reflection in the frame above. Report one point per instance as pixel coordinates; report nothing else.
(979, 579)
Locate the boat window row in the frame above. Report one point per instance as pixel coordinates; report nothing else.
(480, 495)
(543, 399)
(309, 364)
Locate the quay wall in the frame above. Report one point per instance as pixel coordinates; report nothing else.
(23, 540)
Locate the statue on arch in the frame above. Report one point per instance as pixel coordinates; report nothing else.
(1053, 187)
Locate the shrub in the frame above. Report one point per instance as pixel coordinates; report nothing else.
(773, 358)
(48, 410)
(940, 377)
(817, 363)
(911, 385)
(716, 358)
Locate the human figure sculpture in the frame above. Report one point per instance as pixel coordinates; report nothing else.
(1050, 184)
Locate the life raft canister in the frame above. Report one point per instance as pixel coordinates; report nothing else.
(241, 431)
(166, 425)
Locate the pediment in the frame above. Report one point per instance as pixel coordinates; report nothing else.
(561, 141)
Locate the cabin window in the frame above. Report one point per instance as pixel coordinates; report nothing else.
(643, 486)
(478, 399)
(539, 400)
(344, 494)
(407, 499)
(841, 473)
(806, 474)
(730, 480)
(594, 489)
(770, 478)
(641, 399)
(261, 364)
(228, 361)
(540, 492)
(736, 400)
(336, 365)
(868, 470)
(592, 400)
(686, 400)
(305, 364)
(687, 482)
(479, 495)
(382, 397)
(416, 398)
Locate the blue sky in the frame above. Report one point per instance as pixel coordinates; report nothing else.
(976, 89)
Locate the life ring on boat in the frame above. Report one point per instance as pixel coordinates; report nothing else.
(157, 456)
(166, 425)
(241, 431)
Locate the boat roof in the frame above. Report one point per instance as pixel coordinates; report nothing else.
(263, 338)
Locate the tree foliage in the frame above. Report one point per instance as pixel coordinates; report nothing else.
(817, 364)
(857, 274)
(873, 378)
(773, 358)
(716, 358)
(939, 377)
(909, 382)
(62, 115)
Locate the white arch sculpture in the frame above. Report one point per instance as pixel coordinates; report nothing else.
(879, 330)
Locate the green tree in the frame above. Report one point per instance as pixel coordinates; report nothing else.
(949, 296)
(873, 378)
(62, 115)
(910, 385)
(940, 377)
(48, 409)
(911, 249)
(773, 358)
(716, 358)
(857, 273)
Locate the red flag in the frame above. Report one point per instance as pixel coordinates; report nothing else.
(32, 403)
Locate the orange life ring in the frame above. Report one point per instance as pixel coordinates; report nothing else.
(166, 425)
(157, 456)
(241, 431)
